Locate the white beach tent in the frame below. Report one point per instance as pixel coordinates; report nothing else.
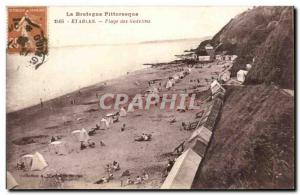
(81, 135)
(59, 147)
(169, 84)
(241, 75)
(104, 123)
(11, 183)
(26, 160)
(130, 108)
(38, 162)
(123, 112)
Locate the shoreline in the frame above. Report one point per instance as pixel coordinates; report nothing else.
(59, 117)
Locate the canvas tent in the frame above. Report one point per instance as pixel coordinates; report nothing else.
(11, 183)
(26, 160)
(38, 162)
(130, 108)
(104, 123)
(215, 86)
(123, 112)
(81, 135)
(183, 171)
(59, 147)
(241, 75)
(169, 84)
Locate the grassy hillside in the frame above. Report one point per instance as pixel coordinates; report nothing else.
(253, 143)
(265, 34)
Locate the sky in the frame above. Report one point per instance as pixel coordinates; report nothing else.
(167, 23)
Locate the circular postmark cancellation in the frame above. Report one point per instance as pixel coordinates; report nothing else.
(27, 34)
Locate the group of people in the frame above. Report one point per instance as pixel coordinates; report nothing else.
(144, 137)
(138, 179)
(109, 169)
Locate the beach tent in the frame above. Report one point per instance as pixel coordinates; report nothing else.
(130, 108)
(58, 147)
(11, 183)
(241, 75)
(81, 135)
(169, 84)
(38, 162)
(183, 171)
(176, 77)
(104, 123)
(110, 117)
(215, 86)
(26, 160)
(123, 112)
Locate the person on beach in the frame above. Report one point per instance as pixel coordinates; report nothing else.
(42, 104)
(123, 128)
(145, 176)
(101, 143)
(116, 166)
(129, 181)
(138, 180)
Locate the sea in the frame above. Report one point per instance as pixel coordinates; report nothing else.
(70, 68)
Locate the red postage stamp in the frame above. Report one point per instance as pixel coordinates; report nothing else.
(27, 33)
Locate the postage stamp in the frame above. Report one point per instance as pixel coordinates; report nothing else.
(27, 33)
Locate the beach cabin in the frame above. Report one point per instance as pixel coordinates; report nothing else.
(224, 76)
(204, 58)
(210, 51)
(248, 66)
(219, 57)
(215, 87)
(241, 75)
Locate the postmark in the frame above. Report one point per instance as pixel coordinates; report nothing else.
(27, 34)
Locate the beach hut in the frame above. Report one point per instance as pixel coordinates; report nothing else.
(215, 86)
(183, 171)
(202, 133)
(241, 75)
(11, 183)
(58, 147)
(225, 76)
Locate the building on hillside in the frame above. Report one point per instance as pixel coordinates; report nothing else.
(241, 75)
(210, 51)
(224, 76)
(188, 56)
(222, 57)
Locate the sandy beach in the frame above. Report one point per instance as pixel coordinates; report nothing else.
(58, 117)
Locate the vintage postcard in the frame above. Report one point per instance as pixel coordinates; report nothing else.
(153, 97)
